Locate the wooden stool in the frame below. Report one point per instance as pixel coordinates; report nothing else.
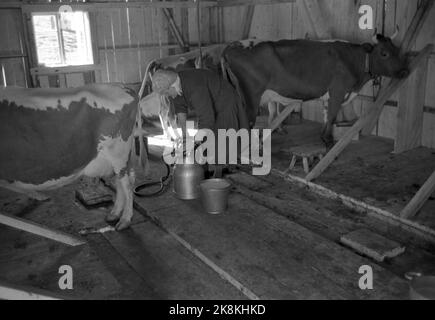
(307, 153)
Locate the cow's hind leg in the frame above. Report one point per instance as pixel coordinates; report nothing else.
(116, 212)
(126, 181)
(337, 94)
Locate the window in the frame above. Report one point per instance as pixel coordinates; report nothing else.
(62, 39)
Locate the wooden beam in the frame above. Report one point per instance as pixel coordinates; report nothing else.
(416, 24)
(247, 21)
(410, 36)
(410, 112)
(234, 3)
(282, 116)
(175, 30)
(316, 20)
(417, 229)
(10, 291)
(40, 230)
(109, 5)
(419, 199)
(38, 71)
(362, 122)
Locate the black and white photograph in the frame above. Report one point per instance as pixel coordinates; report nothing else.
(217, 155)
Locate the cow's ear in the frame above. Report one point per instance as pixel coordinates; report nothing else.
(367, 47)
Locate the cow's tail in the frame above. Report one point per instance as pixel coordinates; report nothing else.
(23, 187)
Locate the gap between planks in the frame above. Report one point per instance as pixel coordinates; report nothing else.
(197, 253)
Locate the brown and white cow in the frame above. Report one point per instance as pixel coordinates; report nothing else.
(51, 137)
(301, 70)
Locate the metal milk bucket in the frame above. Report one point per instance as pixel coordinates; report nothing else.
(187, 178)
(214, 195)
(421, 287)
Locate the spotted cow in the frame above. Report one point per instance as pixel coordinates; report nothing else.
(51, 137)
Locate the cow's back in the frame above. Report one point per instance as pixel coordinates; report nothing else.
(42, 141)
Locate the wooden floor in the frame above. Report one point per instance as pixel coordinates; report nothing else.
(277, 240)
(366, 170)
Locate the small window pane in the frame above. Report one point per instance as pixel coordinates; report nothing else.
(47, 40)
(63, 39)
(76, 40)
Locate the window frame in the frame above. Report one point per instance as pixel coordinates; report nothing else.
(60, 38)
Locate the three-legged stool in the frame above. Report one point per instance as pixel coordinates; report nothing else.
(307, 153)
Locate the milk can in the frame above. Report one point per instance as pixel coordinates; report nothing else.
(187, 178)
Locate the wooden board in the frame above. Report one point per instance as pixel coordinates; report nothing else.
(166, 267)
(372, 244)
(330, 219)
(410, 112)
(28, 260)
(420, 198)
(40, 230)
(271, 256)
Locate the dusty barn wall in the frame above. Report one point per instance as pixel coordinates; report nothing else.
(290, 21)
(12, 53)
(129, 38)
(125, 38)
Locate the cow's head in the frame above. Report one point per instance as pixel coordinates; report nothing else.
(386, 58)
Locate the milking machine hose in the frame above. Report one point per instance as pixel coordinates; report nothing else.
(161, 181)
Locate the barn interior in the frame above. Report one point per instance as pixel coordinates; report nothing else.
(301, 232)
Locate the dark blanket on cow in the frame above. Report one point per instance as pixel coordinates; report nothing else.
(37, 145)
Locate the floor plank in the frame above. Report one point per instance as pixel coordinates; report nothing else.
(272, 256)
(167, 267)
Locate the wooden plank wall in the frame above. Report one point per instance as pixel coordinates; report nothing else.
(128, 39)
(12, 70)
(289, 21)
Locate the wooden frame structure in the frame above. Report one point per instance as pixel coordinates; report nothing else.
(9, 291)
(40, 230)
(410, 120)
(409, 126)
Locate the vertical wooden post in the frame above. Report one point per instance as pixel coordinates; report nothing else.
(411, 109)
(247, 22)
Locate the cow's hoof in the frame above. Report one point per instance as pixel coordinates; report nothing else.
(112, 217)
(122, 224)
